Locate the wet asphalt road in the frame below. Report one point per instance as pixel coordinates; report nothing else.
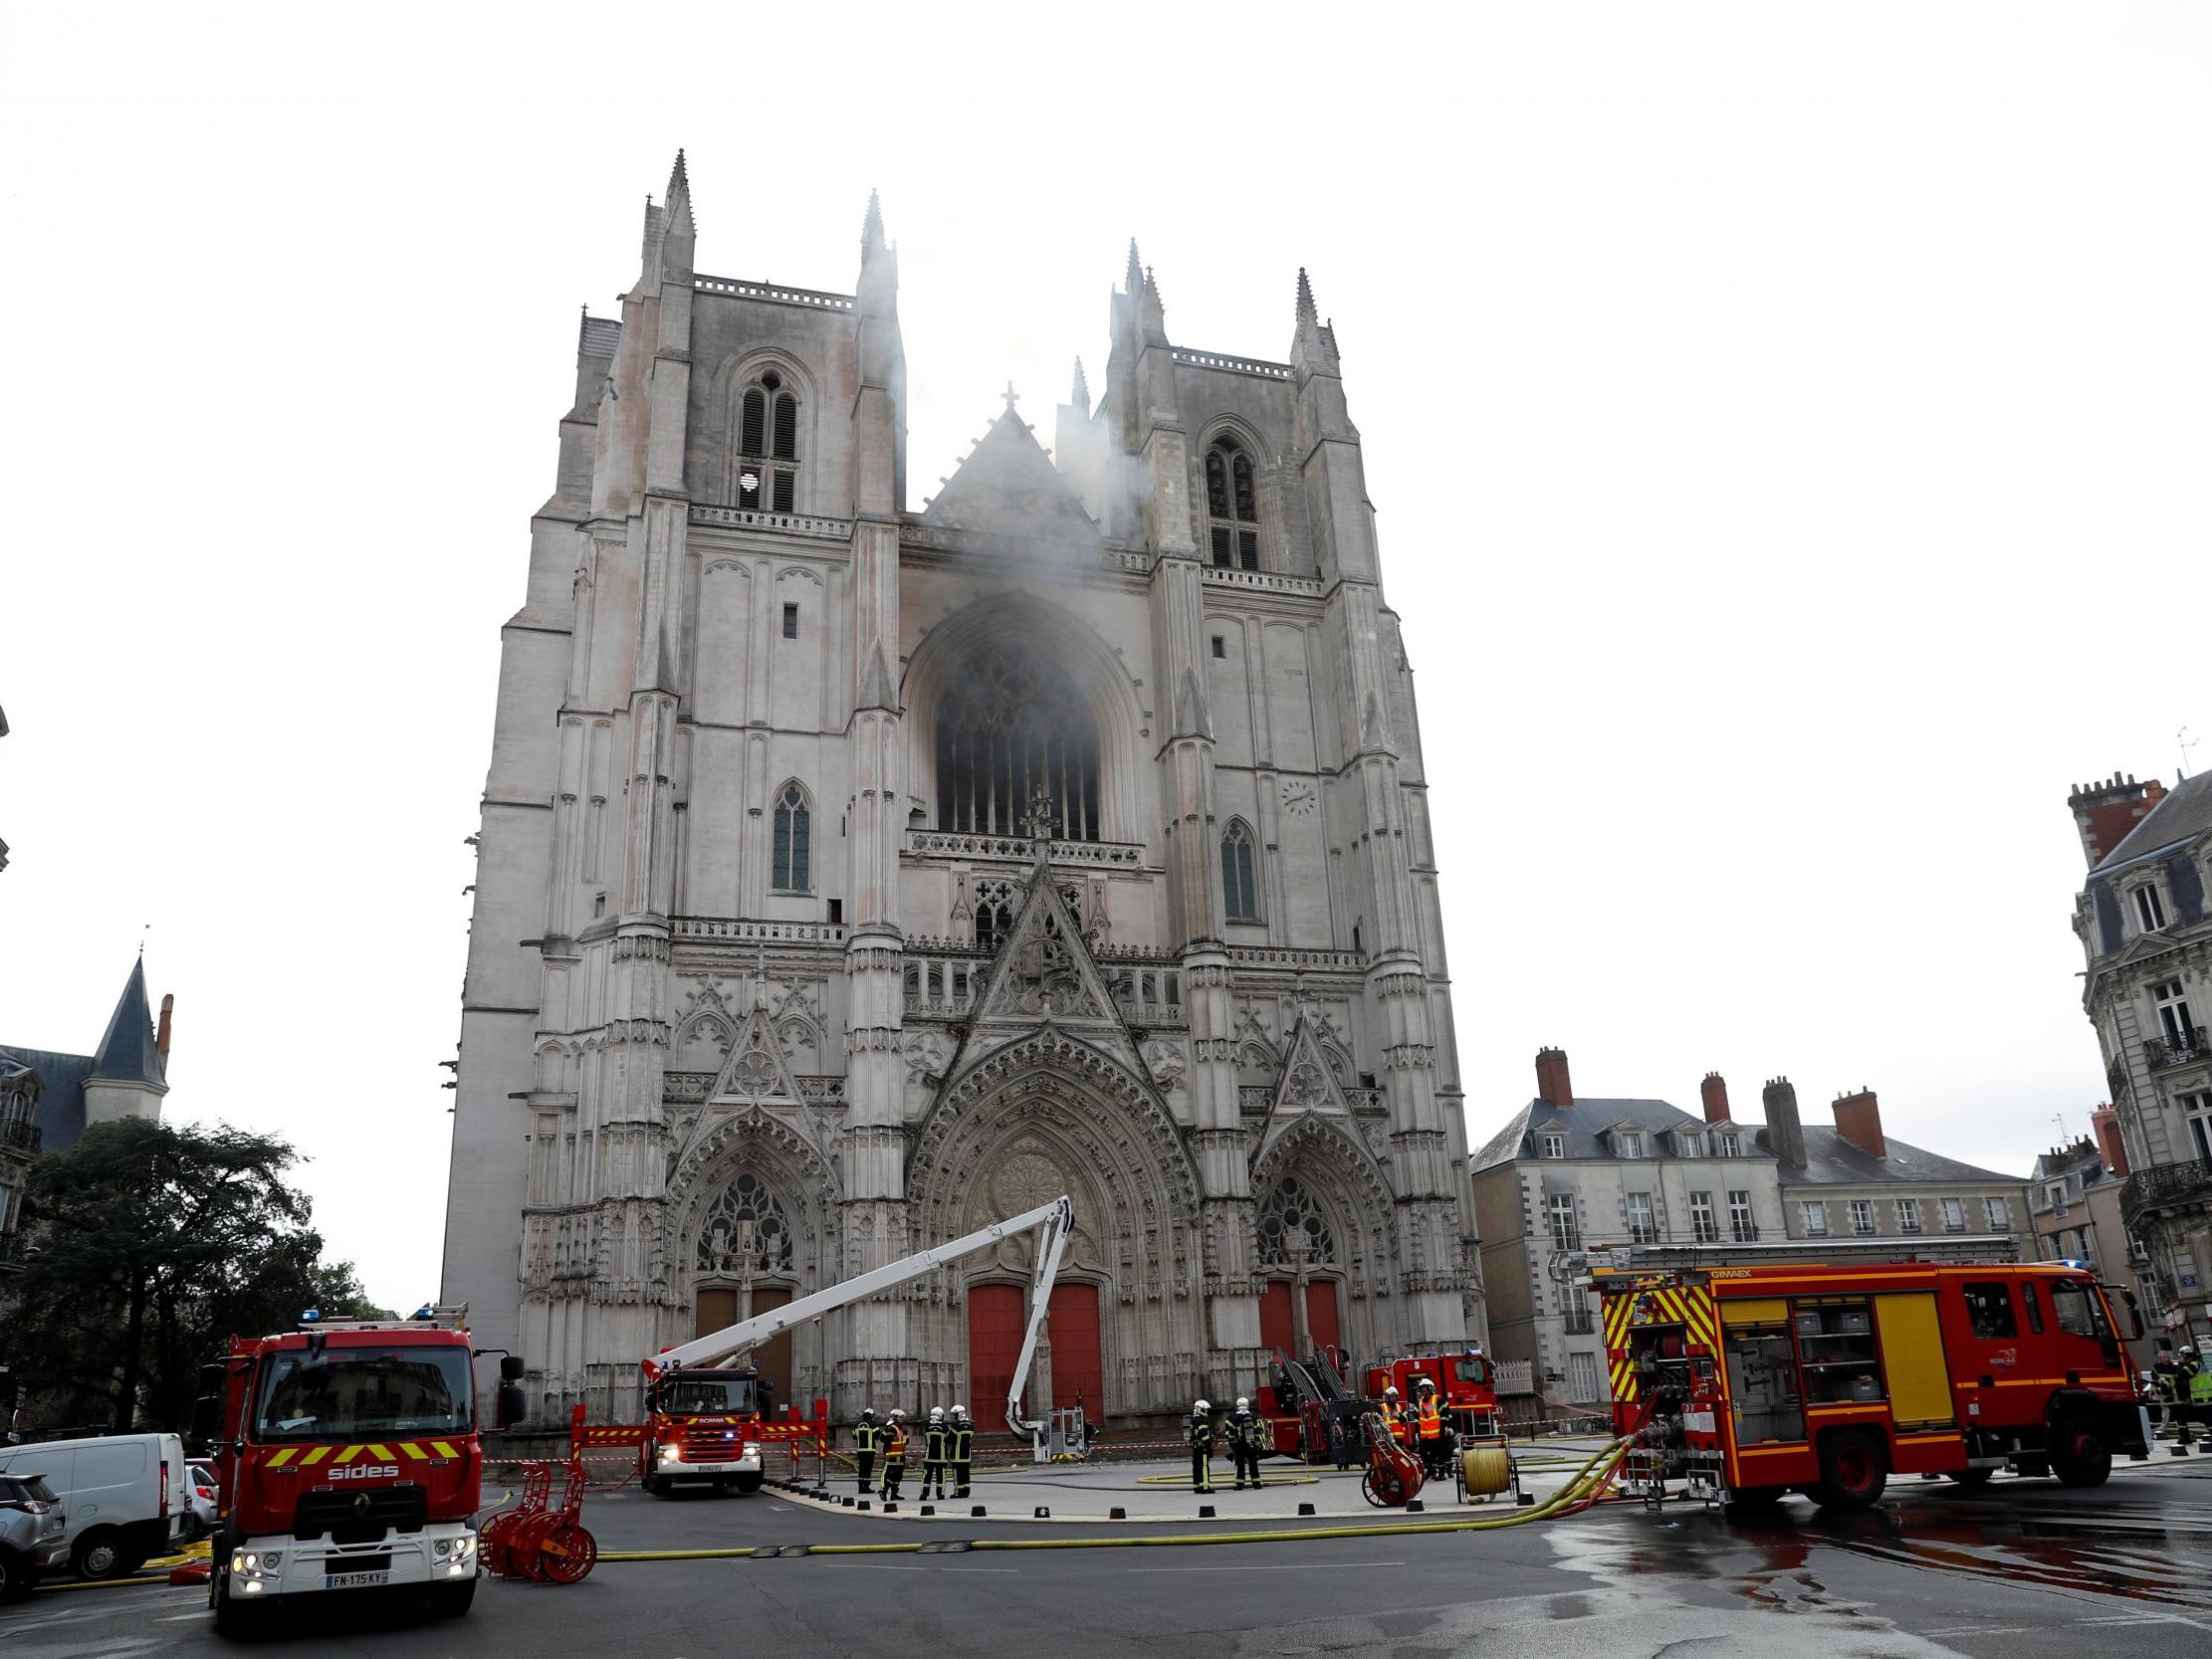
(2021, 1569)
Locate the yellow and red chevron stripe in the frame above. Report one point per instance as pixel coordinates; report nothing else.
(306, 1457)
(1692, 1309)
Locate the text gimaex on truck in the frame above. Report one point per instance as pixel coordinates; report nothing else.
(1751, 1382)
(348, 1460)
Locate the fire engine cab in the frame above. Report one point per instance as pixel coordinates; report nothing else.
(1751, 1382)
(348, 1460)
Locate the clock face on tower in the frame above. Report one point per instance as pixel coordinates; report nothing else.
(1297, 795)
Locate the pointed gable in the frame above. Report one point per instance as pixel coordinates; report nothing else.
(1008, 485)
(1307, 1088)
(756, 1070)
(1044, 969)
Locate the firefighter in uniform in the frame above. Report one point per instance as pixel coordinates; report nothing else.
(935, 1441)
(867, 1434)
(1392, 1415)
(962, 1435)
(1435, 1438)
(1197, 1429)
(1245, 1432)
(894, 1454)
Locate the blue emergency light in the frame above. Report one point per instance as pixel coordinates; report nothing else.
(309, 1316)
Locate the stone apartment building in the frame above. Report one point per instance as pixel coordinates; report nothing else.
(851, 877)
(1569, 1183)
(2147, 940)
(49, 1098)
(2075, 1192)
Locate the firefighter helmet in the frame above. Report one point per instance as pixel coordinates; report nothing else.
(1200, 1405)
(1244, 1404)
(937, 1413)
(1390, 1393)
(867, 1411)
(1425, 1382)
(960, 1411)
(897, 1413)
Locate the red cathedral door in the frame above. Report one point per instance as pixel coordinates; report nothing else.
(1279, 1323)
(995, 1317)
(1321, 1314)
(1078, 1367)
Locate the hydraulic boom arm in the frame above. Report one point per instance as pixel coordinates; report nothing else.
(731, 1343)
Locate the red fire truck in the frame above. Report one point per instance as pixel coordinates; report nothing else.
(1465, 1382)
(348, 1460)
(1751, 1382)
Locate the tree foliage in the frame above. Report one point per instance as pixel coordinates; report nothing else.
(152, 1243)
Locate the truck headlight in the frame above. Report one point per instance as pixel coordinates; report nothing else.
(272, 1559)
(672, 1454)
(753, 1448)
(441, 1546)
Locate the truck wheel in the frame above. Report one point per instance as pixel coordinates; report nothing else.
(1852, 1473)
(2078, 1457)
(748, 1483)
(233, 1617)
(98, 1554)
(652, 1485)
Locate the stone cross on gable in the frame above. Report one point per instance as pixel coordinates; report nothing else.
(1009, 395)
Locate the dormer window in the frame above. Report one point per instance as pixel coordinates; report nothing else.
(1232, 506)
(2150, 907)
(1553, 1145)
(1689, 1144)
(768, 445)
(1629, 1143)
(1727, 1146)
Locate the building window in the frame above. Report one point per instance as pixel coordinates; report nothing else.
(768, 445)
(2198, 1110)
(1862, 1217)
(1989, 1313)
(1691, 1145)
(2173, 1015)
(1816, 1219)
(2000, 1215)
(1290, 1216)
(1582, 1385)
(1702, 1227)
(1232, 506)
(2056, 1192)
(1555, 1146)
(1559, 1214)
(1239, 888)
(1954, 1215)
(1726, 1146)
(1010, 722)
(745, 1231)
(1642, 1224)
(793, 837)
(1908, 1215)
(2150, 907)
(1742, 1224)
(1630, 1146)
(1220, 648)
(791, 622)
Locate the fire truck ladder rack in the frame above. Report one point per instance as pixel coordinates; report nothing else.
(730, 1344)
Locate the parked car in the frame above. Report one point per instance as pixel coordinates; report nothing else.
(32, 1537)
(122, 1496)
(201, 1487)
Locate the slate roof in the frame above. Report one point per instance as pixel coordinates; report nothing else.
(1831, 1160)
(1584, 1121)
(2184, 814)
(61, 1109)
(127, 1052)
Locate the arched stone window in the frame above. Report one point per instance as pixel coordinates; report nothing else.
(1290, 1215)
(1240, 872)
(745, 1230)
(768, 445)
(790, 872)
(1008, 723)
(1232, 505)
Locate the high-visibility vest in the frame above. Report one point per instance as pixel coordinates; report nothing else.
(894, 1443)
(1431, 1419)
(2200, 1389)
(1394, 1417)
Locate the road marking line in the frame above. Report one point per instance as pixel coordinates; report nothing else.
(1302, 1568)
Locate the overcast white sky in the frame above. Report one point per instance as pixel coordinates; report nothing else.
(1788, 424)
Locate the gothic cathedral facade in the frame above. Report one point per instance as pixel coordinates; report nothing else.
(852, 877)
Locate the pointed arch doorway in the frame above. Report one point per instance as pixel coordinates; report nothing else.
(998, 1314)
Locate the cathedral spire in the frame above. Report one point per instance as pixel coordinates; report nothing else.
(1312, 342)
(676, 211)
(1080, 393)
(1133, 278)
(871, 228)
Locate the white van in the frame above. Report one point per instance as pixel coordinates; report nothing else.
(122, 1496)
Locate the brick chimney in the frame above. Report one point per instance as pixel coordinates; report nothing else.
(1859, 1121)
(2105, 812)
(2105, 1124)
(1551, 1076)
(162, 1036)
(1785, 1135)
(1715, 1092)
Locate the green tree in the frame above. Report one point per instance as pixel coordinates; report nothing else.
(154, 1243)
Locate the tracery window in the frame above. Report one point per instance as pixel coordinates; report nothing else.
(745, 1229)
(1008, 723)
(1232, 506)
(793, 838)
(1239, 861)
(768, 445)
(1290, 1215)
